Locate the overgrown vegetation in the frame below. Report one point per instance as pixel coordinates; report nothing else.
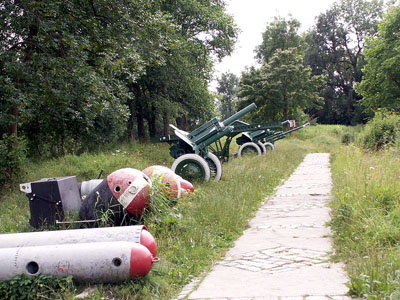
(366, 219)
(196, 230)
(35, 287)
(380, 132)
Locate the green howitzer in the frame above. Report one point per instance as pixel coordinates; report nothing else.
(267, 137)
(198, 154)
(191, 149)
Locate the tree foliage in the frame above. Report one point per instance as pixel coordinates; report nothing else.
(75, 74)
(335, 46)
(279, 34)
(283, 84)
(227, 90)
(380, 86)
(281, 87)
(179, 86)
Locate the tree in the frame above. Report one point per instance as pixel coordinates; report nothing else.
(65, 61)
(335, 47)
(178, 89)
(380, 86)
(280, 34)
(283, 84)
(281, 87)
(227, 89)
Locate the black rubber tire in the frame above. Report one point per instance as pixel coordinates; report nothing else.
(249, 146)
(196, 164)
(212, 161)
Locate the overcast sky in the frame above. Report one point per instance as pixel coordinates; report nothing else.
(252, 16)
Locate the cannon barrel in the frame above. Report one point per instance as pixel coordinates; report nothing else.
(239, 114)
(296, 128)
(211, 130)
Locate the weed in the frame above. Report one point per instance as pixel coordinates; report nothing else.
(35, 287)
(194, 231)
(366, 219)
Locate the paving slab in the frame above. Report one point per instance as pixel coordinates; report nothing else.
(285, 253)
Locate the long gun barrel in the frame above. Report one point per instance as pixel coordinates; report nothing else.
(211, 131)
(239, 114)
(297, 128)
(281, 135)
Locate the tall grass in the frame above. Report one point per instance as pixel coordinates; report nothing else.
(197, 230)
(366, 220)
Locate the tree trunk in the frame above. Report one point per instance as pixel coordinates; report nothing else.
(165, 124)
(131, 131)
(285, 112)
(185, 125)
(152, 122)
(182, 122)
(140, 121)
(179, 122)
(12, 129)
(165, 115)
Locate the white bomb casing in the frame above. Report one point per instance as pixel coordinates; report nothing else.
(109, 262)
(136, 234)
(167, 177)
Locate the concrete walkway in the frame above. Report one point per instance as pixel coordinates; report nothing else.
(285, 253)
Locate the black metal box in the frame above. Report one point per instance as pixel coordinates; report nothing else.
(50, 199)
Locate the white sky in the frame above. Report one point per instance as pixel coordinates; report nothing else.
(252, 16)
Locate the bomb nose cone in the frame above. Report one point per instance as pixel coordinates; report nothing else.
(141, 261)
(186, 185)
(147, 240)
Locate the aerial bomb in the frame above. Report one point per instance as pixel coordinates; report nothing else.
(123, 190)
(166, 176)
(136, 234)
(177, 186)
(107, 262)
(186, 185)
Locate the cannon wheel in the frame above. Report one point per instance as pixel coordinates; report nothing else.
(215, 166)
(249, 148)
(191, 167)
(262, 147)
(269, 146)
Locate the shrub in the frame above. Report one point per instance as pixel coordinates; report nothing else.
(348, 138)
(383, 130)
(35, 287)
(11, 159)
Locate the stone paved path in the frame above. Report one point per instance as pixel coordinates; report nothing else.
(285, 253)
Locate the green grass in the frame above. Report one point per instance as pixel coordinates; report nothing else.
(367, 220)
(198, 230)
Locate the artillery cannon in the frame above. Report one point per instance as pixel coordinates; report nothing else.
(198, 154)
(193, 160)
(265, 139)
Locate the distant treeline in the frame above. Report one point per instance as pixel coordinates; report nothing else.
(344, 68)
(76, 75)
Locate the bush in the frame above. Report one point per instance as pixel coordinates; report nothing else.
(382, 131)
(12, 155)
(348, 138)
(35, 287)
